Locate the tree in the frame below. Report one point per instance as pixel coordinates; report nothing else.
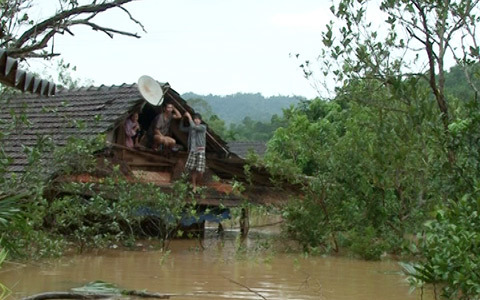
(394, 78)
(418, 39)
(24, 37)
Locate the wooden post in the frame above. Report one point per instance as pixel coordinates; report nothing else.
(244, 222)
(121, 138)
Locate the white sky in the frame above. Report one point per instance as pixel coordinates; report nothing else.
(205, 46)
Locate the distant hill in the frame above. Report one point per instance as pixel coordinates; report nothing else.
(456, 82)
(234, 108)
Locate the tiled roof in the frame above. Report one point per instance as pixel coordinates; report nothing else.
(241, 148)
(58, 116)
(63, 115)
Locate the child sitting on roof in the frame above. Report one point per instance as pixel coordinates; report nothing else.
(196, 144)
(132, 128)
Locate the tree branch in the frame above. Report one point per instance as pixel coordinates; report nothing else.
(61, 22)
(133, 19)
(109, 31)
(249, 289)
(37, 46)
(76, 295)
(66, 295)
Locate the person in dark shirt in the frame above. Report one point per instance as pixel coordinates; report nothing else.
(159, 131)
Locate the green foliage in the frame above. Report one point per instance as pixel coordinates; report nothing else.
(298, 224)
(250, 130)
(102, 289)
(406, 141)
(369, 167)
(465, 132)
(450, 250)
(66, 76)
(4, 291)
(21, 201)
(76, 156)
(401, 146)
(110, 209)
(8, 210)
(367, 242)
(114, 210)
(98, 287)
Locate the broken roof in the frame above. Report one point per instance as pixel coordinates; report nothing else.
(96, 109)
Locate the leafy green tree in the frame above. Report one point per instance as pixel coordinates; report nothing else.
(408, 142)
(450, 248)
(430, 30)
(366, 167)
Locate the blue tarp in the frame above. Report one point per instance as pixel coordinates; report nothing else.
(213, 215)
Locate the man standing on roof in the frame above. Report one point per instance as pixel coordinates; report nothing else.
(196, 144)
(159, 131)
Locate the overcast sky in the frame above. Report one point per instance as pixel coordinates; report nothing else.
(205, 46)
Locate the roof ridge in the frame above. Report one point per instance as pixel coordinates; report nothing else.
(64, 89)
(248, 141)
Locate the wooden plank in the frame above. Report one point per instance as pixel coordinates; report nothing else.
(148, 164)
(217, 166)
(134, 157)
(143, 153)
(218, 202)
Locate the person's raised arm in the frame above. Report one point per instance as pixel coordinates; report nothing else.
(176, 114)
(182, 126)
(189, 117)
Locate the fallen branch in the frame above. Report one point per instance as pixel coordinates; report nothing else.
(72, 295)
(146, 294)
(66, 295)
(249, 289)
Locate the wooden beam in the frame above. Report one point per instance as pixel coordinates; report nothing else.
(144, 153)
(244, 223)
(149, 164)
(236, 172)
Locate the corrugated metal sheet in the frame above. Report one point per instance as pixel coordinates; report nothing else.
(22, 80)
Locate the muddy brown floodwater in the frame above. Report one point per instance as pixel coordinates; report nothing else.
(216, 272)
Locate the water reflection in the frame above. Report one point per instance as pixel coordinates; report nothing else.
(216, 272)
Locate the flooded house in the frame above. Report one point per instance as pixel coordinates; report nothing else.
(59, 114)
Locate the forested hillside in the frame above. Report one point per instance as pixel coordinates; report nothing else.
(248, 117)
(234, 108)
(457, 84)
